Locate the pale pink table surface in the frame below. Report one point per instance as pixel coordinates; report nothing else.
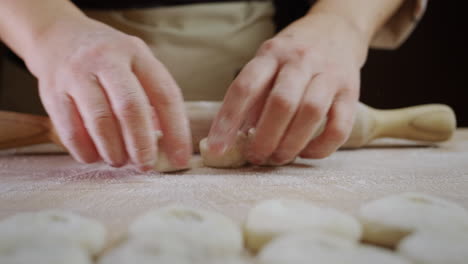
(344, 180)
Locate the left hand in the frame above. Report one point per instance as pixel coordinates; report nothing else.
(308, 73)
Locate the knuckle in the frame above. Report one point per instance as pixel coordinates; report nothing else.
(301, 51)
(242, 88)
(270, 45)
(102, 119)
(337, 135)
(142, 149)
(141, 153)
(129, 108)
(282, 103)
(138, 42)
(71, 137)
(313, 109)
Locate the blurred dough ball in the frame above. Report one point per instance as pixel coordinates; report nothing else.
(312, 247)
(58, 226)
(271, 218)
(189, 231)
(386, 221)
(435, 248)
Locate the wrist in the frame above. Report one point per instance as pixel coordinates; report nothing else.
(365, 16)
(330, 31)
(24, 22)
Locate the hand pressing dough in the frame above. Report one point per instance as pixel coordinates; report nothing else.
(189, 231)
(435, 248)
(59, 226)
(232, 158)
(386, 221)
(316, 247)
(164, 165)
(43, 250)
(272, 218)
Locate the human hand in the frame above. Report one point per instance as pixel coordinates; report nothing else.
(308, 73)
(106, 95)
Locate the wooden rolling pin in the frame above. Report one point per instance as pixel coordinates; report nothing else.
(429, 123)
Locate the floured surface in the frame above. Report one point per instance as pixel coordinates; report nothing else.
(344, 181)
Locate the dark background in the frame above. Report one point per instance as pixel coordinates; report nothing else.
(431, 67)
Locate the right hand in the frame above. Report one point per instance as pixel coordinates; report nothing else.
(101, 88)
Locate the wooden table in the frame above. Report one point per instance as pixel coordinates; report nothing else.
(345, 180)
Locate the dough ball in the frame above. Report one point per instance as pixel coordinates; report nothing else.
(435, 248)
(144, 251)
(189, 231)
(232, 158)
(164, 165)
(271, 218)
(43, 250)
(57, 225)
(386, 221)
(312, 247)
(141, 251)
(371, 254)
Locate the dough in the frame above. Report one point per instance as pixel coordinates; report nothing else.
(435, 248)
(232, 158)
(164, 165)
(271, 218)
(386, 221)
(141, 251)
(189, 231)
(43, 250)
(180, 235)
(60, 226)
(144, 251)
(318, 247)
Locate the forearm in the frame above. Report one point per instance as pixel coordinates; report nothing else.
(367, 16)
(22, 22)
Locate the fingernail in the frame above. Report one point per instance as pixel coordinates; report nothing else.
(217, 146)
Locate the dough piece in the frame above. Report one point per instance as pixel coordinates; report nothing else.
(144, 251)
(386, 221)
(43, 250)
(435, 248)
(272, 218)
(188, 231)
(141, 251)
(232, 158)
(316, 247)
(164, 165)
(58, 225)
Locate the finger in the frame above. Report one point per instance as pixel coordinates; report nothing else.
(165, 96)
(310, 115)
(280, 108)
(99, 120)
(257, 76)
(337, 130)
(132, 109)
(254, 114)
(70, 127)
